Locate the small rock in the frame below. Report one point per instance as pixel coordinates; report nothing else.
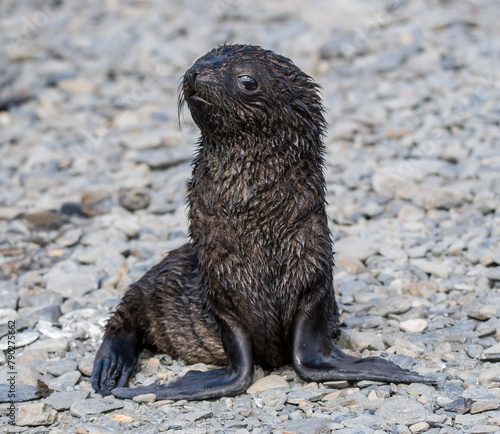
(69, 379)
(95, 406)
(146, 398)
(421, 289)
(35, 415)
(413, 325)
(62, 401)
(410, 214)
(70, 237)
(274, 398)
(297, 396)
(22, 339)
(62, 366)
(442, 198)
(360, 341)
(438, 269)
(77, 86)
(50, 345)
(134, 198)
(305, 426)
(395, 305)
(489, 375)
(493, 273)
(460, 405)
(389, 60)
(469, 420)
(123, 418)
(340, 384)
(419, 427)
(485, 405)
(86, 365)
(127, 225)
(492, 353)
(268, 382)
(393, 253)
(71, 285)
(22, 393)
(402, 411)
(351, 265)
(355, 247)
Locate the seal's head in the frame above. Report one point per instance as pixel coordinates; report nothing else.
(238, 90)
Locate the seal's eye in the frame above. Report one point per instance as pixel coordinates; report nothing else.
(249, 83)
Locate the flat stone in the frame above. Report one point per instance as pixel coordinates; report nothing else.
(305, 426)
(22, 393)
(394, 253)
(198, 415)
(470, 420)
(77, 86)
(442, 198)
(351, 265)
(485, 405)
(419, 427)
(62, 401)
(366, 420)
(489, 375)
(71, 285)
(297, 396)
(395, 305)
(491, 352)
(274, 398)
(86, 407)
(355, 247)
(493, 273)
(50, 345)
(164, 158)
(62, 366)
(134, 199)
(86, 365)
(360, 341)
(402, 411)
(413, 325)
(127, 225)
(146, 398)
(421, 289)
(21, 340)
(438, 269)
(268, 382)
(68, 379)
(35, 415)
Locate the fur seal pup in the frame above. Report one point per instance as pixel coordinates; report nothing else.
(255, 285)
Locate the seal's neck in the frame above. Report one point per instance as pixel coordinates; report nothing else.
(290, 147)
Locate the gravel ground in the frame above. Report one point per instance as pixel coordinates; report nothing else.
(93, 171)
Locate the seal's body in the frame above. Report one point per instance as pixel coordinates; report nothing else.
(255, 285)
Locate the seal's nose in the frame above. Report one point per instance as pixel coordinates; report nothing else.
(202, 67)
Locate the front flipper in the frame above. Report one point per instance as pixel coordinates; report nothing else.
(316, 358)
(195, 385)
(114, 362)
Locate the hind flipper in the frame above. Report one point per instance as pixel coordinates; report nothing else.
(195, 385)
(316, 358)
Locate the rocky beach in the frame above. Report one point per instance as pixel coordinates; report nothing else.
(94, 165)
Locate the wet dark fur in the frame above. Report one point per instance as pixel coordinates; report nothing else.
(255, 285)
(261, 249)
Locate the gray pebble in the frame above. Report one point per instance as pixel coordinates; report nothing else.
(87, 407)
(402, 410)
(62, 401)
(64, 381)
(35, 415)
(22, 393)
